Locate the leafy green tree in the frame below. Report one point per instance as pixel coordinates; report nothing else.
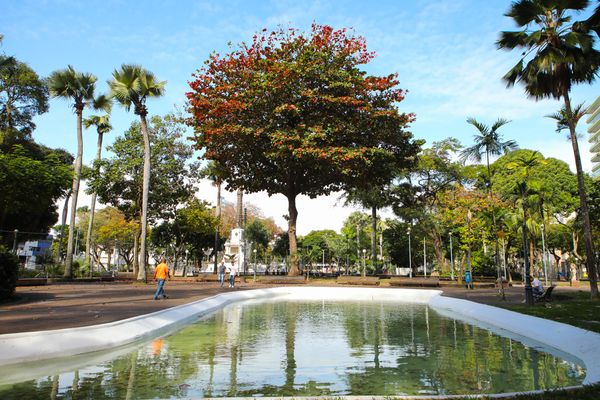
(282, 246)
(374, 198)
(356, 232)
(33, 178)
(257, 234)
(293, 113)
(191, 229)
(102, 124)
(416, 198)
(557, 52)
(555, 180)
(79, 88)
(133, 85)
(23, 96)
(118, 180)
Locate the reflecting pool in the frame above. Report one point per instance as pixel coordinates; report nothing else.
(285, 348)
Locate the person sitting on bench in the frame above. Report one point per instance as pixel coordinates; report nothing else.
(538, 288)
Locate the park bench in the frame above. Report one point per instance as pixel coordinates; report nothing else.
(215, 278)
(357, 280)
(282, 280)
(544, 297)
(483, 285)
(32, 281)
(415, 282)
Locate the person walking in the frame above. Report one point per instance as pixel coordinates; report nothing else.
(232, 274)
(222, 273)
(161, 274)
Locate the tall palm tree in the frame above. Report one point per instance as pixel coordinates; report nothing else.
(79, 88)
(524, 187)
(489, 142)
(556, 53)
(133, 85)
(102, 124)
(214, 172)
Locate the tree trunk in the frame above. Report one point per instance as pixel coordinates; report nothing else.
(145, 190)
(88, 240)
(438, 250)
(584, 210)
(218, 215)
(532, 259)
(62, 227)
(76, 180)
(374, 238)
(494, 227)
(526, 263)
(293, 217)
(136, 253)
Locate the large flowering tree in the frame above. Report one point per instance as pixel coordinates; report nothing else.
(293, 113)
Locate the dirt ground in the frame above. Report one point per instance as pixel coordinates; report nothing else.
(68, 305)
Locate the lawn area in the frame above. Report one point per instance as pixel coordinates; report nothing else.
(591, 392)
(575, 309)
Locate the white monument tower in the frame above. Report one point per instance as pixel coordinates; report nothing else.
(235, 248)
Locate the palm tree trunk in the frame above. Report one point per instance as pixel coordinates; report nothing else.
(527, 277)
(293, 217)
(145, 190)
(497, 248)
(88, 241)
(374, 238)
(585, 212)
(76, 181)
(62, 226)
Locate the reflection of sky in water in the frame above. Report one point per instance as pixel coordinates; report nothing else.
(280, 348)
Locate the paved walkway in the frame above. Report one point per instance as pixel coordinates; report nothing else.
(58, 306)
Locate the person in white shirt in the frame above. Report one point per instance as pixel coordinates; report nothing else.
(232, 274)
(538, 288)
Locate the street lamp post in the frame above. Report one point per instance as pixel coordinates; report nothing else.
(364, 273)
(323, 262)
(451, 259)
(14, 249)
(409, 254)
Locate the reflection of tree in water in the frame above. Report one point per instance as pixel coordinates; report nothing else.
(427, 357)
(395, 350)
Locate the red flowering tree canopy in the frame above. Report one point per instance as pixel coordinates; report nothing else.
(293, 113)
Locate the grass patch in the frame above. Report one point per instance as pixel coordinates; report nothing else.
(575, 309)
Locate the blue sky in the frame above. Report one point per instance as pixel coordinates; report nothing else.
(443, 51)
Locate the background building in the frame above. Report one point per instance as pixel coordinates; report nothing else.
(594, 131)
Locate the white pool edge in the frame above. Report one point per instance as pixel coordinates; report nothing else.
(34, 346)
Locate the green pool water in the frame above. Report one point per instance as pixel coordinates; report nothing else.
(283, 348)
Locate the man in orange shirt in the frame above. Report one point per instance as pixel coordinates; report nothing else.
(161, 273)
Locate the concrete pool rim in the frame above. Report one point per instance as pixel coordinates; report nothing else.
(581, 344)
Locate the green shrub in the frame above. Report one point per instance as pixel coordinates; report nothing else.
(55, 270)
(483, 264)
(9, 268)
